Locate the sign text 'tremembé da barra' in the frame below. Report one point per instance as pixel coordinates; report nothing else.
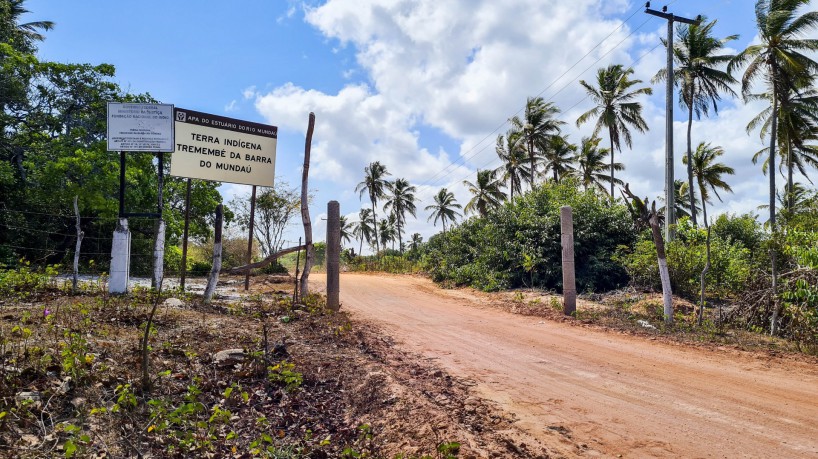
(220, 149)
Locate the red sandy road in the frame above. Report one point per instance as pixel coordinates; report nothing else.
(614, 394)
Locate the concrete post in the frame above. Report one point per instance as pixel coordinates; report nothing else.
(569, 287)
(333, 254)
(159, 256)
(120, 258)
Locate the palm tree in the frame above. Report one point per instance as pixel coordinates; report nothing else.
(797, 125)
(538, 124)
(401, 200)
(708, 174)
(591, 165)
(444, 208)
(414, 243)
(615, 109)
(782, 60)
(697, 72)
(559, 155)
(29, 30)
(388, 230)
(347, 227)
(681, 199)
(486, 191)
(514, 168)
(363, 230)
(375, 184)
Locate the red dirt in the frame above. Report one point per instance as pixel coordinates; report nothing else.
(584, 392)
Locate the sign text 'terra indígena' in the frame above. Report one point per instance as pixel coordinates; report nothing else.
(212, 147)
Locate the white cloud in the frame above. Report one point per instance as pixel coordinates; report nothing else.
(232, 106)
(462, 68)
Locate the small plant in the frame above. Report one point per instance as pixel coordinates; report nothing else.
(282, 373)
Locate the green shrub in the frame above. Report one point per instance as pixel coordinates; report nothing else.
(200, 268)
(519, 244)
(730, 262)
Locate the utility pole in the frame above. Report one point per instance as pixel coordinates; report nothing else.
(670, 195)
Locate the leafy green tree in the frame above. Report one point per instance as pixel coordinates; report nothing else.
(538, 124)
(616, 109)
(513, 169)
(591, 166)
(487, 191)
(497, 251)
(699, 60)
(415, 242)
(275, 209)
(709, 174)
(375, 184)
(558, 157)
(444, 208)
(401, 200)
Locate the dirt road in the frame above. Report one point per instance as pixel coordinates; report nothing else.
(591, 393)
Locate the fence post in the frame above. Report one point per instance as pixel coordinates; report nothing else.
(569, 287)
(120, 258)
(213, 278)
(333, 254)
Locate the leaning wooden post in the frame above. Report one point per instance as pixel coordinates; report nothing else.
(305, 211)
(569, 286)
(80, 235)
(213, 278)
(159, 242)
(333, 254)
(250, 239)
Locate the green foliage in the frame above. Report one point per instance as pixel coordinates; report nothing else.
(25, 281)
(283, 373)
(730, 268)
(519, 244)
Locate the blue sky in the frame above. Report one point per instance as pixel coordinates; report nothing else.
(423, 86)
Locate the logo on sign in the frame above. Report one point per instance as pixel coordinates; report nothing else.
(181, 117)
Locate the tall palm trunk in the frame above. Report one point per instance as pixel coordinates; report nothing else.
(610, 134)
(531, 159)
(790, 197)
(375, 226)
(360, 250)
(704, 204)
(773, 254)
(400, 236)
(690, 167)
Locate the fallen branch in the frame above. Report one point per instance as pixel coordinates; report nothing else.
(260, 264)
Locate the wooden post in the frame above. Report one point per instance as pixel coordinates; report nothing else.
(569, 287)
(305, 211)
(80, 235)
(333, 254)
(297, 267)
(184, 238)
(213, 278)
(159, 242)
(250, 239)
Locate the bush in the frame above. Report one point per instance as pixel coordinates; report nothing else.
(519, 244)
(730, 261)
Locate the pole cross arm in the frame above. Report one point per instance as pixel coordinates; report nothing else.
(671, 17)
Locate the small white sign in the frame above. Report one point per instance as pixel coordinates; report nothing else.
(220, 149)
(140, 127)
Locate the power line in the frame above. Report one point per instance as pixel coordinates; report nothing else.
(464, 156)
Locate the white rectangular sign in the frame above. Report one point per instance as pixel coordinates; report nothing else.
(220, 149)
(140, 127)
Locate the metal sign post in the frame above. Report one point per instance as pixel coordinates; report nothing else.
(138, 127)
